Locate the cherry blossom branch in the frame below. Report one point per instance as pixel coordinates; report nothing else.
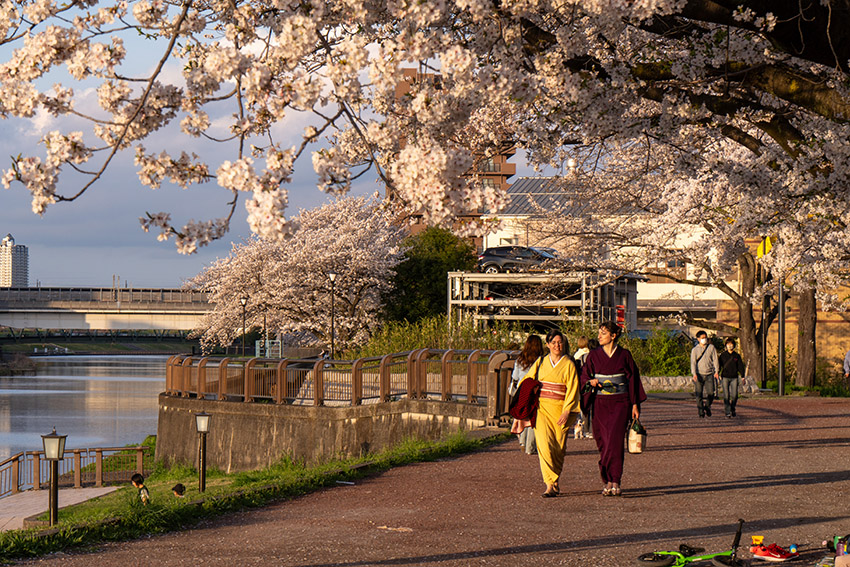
(117, 144)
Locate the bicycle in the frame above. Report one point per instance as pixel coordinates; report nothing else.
(688, 554)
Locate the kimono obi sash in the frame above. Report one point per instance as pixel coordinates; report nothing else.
(612, 383)
(553, 391)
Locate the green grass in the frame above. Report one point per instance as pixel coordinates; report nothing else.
(120, 515)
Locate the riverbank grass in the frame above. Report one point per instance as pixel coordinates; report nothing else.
(120, 515)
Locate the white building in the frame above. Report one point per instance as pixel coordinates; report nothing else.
(656, 296)
(14, 263)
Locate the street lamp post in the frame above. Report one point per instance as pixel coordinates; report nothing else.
(244, 301)
(332, 277)
(54, 450)
(202, 423)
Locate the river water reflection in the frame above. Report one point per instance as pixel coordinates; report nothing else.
(98, 401)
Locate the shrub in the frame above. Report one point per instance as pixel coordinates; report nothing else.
(437, 333)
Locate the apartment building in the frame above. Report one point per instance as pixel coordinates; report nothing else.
(14, 263)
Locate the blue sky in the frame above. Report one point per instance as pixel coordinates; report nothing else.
(87, 242)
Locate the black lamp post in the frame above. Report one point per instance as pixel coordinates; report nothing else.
(202, 423)
(332, 277)
(54, 451)
(244, 301)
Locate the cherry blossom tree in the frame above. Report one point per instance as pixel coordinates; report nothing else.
(544, 74)
(287, 282)
(698, 103)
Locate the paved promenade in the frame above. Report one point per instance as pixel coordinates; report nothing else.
(782, 465)
(13, 509)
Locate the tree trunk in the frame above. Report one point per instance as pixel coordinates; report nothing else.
(748, 334)
(806, 347)
(750, 339)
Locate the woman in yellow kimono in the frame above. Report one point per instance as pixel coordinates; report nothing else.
(558, 410)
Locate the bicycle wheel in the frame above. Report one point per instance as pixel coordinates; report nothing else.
(655, 560)
(726, 561)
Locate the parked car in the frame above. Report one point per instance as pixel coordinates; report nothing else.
(512, 259)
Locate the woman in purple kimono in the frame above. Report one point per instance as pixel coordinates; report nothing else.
(614, 377)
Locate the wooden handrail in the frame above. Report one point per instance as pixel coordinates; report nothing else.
(416, 377)
(22, 478)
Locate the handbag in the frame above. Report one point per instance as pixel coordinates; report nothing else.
(588, 396)
(525, 401)
(637, 437)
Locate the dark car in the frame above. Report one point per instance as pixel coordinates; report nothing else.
(512, 259)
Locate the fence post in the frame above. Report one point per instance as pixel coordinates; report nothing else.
(472, 377)
(247, 374)
(169, 384)
(357, 382)
(140, 460)
(280, 388)
(412, 382)
(36, 471)
(202, 377)
(318, 384)
(446, 370)
(422, 373)
(98, 468)
(222, 378)
(16, 474)
(186, 375)
(495, 403)
(78, 469)
(384, 378)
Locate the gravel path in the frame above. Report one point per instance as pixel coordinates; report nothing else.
(782, 465)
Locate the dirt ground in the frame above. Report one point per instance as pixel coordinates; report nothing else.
(782, 466)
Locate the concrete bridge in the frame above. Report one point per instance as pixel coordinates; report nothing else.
(92, 308)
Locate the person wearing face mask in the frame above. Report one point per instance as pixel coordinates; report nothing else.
(731, 367)
(558, 409)
(704, 368)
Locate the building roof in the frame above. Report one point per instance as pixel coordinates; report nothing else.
(527, 195)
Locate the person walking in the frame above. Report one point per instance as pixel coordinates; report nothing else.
(558, 409)
(847, 366)
(612, 372)
(704, 368)
(531, 351)
(731, 368)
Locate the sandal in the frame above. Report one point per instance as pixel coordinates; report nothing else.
(556, 488)
(615, 491)
(606, 491)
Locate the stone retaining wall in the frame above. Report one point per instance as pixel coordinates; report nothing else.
(250, 436)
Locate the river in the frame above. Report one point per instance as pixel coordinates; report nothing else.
(97, 401)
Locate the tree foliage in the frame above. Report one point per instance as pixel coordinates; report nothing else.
(419, 289)
(287, 283)
(744, 94)
(729, 116)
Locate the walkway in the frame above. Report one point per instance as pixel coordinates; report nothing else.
(13, 509)
(782, 466)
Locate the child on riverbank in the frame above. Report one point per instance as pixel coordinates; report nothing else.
(139, 482)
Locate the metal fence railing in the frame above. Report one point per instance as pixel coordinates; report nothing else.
(79, 467)
(447, 375)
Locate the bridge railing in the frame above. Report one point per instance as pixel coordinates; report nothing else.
(23, 295)
(468, 376)
(78, 468)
